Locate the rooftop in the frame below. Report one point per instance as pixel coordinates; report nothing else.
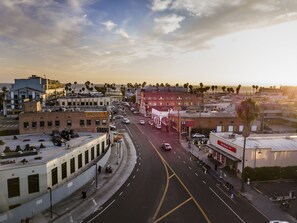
(32, 153)
(275, 142)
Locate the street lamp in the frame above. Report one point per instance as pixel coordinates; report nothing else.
(259, 153)
(96, 173)
(51, 203)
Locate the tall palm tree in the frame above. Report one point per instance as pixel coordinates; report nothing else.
(247, 111)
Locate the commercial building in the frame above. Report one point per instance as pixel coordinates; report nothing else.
(35, 120)
(32, 164)
(262, 150)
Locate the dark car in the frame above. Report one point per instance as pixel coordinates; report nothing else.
(166, 146)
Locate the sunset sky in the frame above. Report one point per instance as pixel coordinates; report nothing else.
(216, 42)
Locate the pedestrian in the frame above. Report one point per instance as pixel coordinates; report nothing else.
(99, 169)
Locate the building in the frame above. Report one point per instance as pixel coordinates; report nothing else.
(159, 98)
(35, 120)
(84, 101)
(262, 150)
(33, 163)
(33, 88)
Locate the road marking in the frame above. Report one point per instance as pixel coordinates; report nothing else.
(190, 167)
(196, 174)
(171, 176)
(71, 218)
(178, 157)
(184, 162)
(227, 195)
(166, 165)
(139, 164)
(95, 203)
(226, 205)
(190, 158)
(128, 184)
(169, 212)
(121, 193)
(137, 170)
(101, 211)
(133, 177)
(203, 181)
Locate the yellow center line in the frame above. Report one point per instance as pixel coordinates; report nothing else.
(169, 212)
(184, 186)
(167, 182)
(171, 176)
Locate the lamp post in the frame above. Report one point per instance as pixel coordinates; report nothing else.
(259, 152)
(178, 124)
(96, 173)
(51, 203)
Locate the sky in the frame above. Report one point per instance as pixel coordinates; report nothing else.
(214, 42)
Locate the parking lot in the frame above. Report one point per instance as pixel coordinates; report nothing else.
(279, 190)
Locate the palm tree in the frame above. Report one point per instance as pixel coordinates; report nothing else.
(247, 111)
(212, 88)
(224, 88)
(238, 89)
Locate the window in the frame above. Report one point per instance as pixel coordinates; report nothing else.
(82, 103)
(87, 103)
(49, 124)
(69, 103)
(64, 170)
(101, 103)
(34, 124)
(92, 153)
(41, 124)
(13, 186)
(104, 122)
(98, 149)
(63, 102)
(33, 183)
(57, 123)
(26, 125)
(54, 176)
(86, 156)
(69, 123)
(102, 146)
(95, 103)
(72, 165)
(89, 122)
(79, 161)
(97, 122)
(81, 122)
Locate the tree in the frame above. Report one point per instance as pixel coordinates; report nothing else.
(212, 88)
(143, 84)
(238, 89)
(247, 111)
(224, 88)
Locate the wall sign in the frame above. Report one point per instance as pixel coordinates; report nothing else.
(230, 148)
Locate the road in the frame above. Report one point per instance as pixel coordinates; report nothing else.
(168, 186)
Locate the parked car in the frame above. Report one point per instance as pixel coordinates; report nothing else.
(166, 146)
(112, 127)
(198, 135)
(142, 122)
(126, 121)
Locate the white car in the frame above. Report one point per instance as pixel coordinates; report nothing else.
(126, 121)
(198, 135)
(141, 122)
(166, 146)
(278, 221)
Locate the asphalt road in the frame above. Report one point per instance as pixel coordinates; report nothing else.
(168, 186)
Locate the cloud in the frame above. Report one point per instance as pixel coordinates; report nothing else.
(109, 25)
(122, 33)
(168, 24)
(160, 5)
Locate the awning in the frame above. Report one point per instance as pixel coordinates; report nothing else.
(223, 153)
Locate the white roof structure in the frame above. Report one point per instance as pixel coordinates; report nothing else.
(275, 142)
(39, 155)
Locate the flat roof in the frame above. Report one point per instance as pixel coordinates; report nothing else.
(47, 154)
(275, 142)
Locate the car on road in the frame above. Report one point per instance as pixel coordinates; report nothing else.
(126, 121)
(278, 221)
(166, 146)
(112, 127)
(198, 135)
(142, 122)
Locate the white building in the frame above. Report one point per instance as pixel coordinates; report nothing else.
(29, 169)
(83, 102)
(262, 150)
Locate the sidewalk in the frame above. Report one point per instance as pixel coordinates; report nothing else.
(256, 198)
(75, 208)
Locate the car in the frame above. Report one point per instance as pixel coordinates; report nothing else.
(198, 135)
(166, 146)
(141, 122)
(112, 127)
(126, 121)
(158, 126)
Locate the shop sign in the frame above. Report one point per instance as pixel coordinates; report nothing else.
(230, 148)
